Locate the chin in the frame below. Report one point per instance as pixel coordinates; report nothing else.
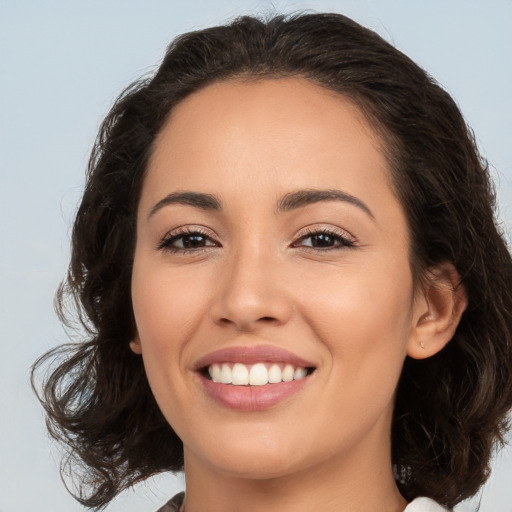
(257, 460)
(260, 468)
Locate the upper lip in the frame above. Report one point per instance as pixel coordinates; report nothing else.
(251, 355)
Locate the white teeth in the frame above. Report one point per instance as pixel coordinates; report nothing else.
(240, 375)
(257, 374)
(299, 373)
(215, 372)
(275, 375)
(225, 374)
(288, 372)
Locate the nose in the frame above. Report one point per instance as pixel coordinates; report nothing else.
(252, 293)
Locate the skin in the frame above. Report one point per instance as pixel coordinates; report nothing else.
(353, 310)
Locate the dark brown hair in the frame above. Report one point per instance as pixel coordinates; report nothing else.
(450, 409)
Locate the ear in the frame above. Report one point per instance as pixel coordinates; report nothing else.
(135, 344)
(439, 304)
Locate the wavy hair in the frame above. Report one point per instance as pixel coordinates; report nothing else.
(451, 409)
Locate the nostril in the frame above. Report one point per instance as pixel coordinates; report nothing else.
(225, 321)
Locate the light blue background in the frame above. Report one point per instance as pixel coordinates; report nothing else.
(61, 65)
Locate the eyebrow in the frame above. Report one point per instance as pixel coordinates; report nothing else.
(196, 199)
(288, 202)
(302, 198)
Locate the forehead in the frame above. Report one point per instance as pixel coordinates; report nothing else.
(281, 104)
(270, 135)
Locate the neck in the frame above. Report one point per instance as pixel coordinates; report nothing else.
(359, 481)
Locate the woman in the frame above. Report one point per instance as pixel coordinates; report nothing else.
(294, 287)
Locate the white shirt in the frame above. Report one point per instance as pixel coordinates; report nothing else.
(424, 505)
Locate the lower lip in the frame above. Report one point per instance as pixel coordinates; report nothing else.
(251, 398)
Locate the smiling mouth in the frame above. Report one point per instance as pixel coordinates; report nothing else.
(253, 378)
(258, 374)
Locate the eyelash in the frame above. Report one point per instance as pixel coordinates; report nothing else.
(169, 239)
(342, 241)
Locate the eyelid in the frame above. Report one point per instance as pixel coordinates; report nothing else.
(348, 240)
(314, 229)
(344, 237)
(175, 233)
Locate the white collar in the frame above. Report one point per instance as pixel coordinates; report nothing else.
(424, 505)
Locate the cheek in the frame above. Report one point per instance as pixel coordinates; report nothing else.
(168, 309)
(364, 319)
(355, 299)
(165, 303)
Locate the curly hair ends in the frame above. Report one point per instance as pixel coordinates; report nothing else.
(450, 410)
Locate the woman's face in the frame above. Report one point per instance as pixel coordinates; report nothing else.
(270, 241)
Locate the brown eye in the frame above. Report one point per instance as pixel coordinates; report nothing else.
(320, 240)
(324, 240)
(191, 241)
(186, 241)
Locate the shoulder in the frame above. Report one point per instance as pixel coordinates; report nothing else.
(174, 504)
(424, 505)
